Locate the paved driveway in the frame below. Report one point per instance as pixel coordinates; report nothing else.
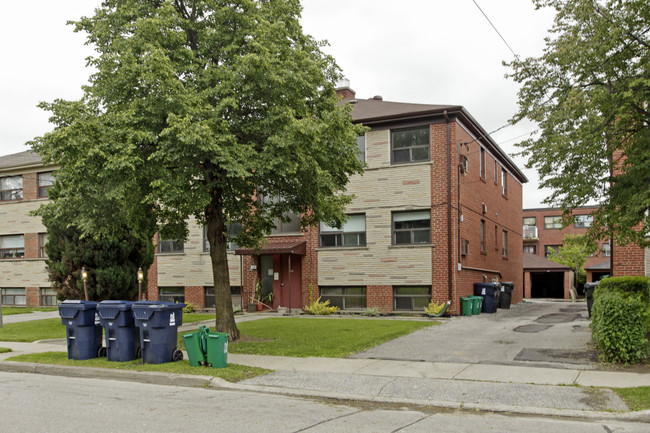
(540, 333)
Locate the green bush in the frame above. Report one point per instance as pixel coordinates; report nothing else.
(636, 287)
(371, 312)
(618, 327)
(320, 308)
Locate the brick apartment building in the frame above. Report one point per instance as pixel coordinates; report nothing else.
(438, 208)
(24, 182)
(543, 230)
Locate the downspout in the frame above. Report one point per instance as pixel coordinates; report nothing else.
(449, 225)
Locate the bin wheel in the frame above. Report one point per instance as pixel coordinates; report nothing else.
(177, 355)
(139, 353)
(101, 352)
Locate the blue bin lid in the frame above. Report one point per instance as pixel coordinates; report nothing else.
(158, 305)
(120, 305)
(78, 305)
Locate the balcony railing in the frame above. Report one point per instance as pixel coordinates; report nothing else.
(530, 233)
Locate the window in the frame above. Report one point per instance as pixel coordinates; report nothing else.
(530, 221)
(45, 182)
(352, 234)
(410, 145)
(482, 163)
(504, 244)
(13, 296)
(346, 298)
(496, 172)
(583, 221)
(171, 294)
(482, 235)
(549, 250)
(504, 182)
(411, 297)
(42, 240)
(170, 246)
(412, 227)
(552, 222)
(11, 188)
(496, 238)
(48, 296)
(464, 247)
(361, 145)
(232, 230)
(292, 225)
(210, 297)
(12, 246)
(530, 249)
(607, 249)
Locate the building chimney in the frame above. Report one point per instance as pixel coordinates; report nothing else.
(343, 89)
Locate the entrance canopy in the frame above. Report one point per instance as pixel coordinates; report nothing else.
(275, 247)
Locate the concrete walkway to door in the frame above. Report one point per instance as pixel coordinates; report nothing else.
(540, 333)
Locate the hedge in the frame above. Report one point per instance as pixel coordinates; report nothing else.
(621, 319)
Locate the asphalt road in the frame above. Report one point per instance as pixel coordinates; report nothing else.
(548, 334)
(35, 403)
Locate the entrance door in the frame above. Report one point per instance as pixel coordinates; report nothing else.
(286, 288)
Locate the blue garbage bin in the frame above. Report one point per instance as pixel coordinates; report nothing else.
(158, 323)
(82, 329)
(489, 293)
(122, 337)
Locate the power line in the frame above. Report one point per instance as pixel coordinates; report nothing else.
(496, 30)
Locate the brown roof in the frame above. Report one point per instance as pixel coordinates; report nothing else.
(533, 262)
(376, 112)
(602, 266)
(275, 247)
(20, 159)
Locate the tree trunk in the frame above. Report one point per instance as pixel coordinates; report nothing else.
(218, 239)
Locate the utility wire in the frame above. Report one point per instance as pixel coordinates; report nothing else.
(496, 30)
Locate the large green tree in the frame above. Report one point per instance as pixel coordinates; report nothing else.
(195, 106)
(589, 92)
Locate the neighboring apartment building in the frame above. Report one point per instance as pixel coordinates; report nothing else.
(437, 209)
(544, 230)
(24, 183)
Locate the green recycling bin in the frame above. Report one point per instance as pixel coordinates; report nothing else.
(477, 304)
(217, 349)
(466, 306)
(195, 344)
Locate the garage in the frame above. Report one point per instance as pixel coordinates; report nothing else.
(544, 278)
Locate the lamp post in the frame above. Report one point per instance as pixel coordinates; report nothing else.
(84, 278)
(140, 278)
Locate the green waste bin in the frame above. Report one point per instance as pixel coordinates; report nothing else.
(477, 304)
(195, 344)
(217, 349)
(466, 306)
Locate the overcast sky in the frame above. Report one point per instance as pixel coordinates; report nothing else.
(421, 51)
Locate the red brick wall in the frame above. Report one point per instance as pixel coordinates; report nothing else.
(629, 260)
(152, 281)
(556, 236)
(33, 296)
(481, 199)
(30, 186)
(380, 297)
(31, 245)
(195, 295)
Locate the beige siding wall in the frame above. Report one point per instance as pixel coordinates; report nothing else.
(23, 273)
(15, 218)
(193, 267)
(381, 190)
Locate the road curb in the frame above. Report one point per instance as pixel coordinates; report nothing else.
(196, 381)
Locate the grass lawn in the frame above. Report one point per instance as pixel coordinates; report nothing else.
(45, 329)
(232, 373)
(302, 337)
(4, 350)
(197, 317)
(635, 398)
(8, 311)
